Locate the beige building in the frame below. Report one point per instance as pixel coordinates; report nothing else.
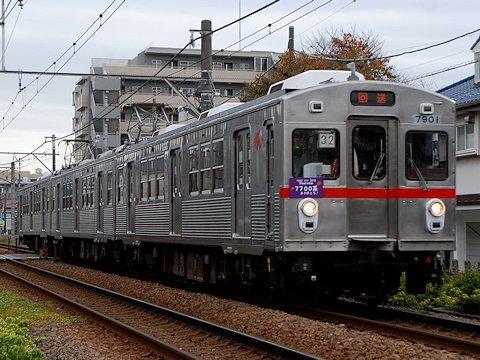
(100, 124)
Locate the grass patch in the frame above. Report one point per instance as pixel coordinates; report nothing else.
(17, 316)
(457, 292)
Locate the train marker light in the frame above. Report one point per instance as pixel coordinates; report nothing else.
(310, 208)
(435, 215)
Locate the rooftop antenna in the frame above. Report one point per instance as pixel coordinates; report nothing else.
(353, 75)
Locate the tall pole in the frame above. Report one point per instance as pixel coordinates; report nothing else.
(2, 22)
(291, 38)
(206, 101)
(13, 200)
(54, 162)
(239, 25)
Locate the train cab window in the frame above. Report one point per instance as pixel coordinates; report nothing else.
(426, 155)
(316, 153)
(369, 152)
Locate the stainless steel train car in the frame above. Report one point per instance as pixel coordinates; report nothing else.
(324, 184)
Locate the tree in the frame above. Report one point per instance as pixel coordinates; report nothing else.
(337, 44)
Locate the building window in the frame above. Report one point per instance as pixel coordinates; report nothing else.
(261, 64)
(465, 137)
(193, 169)
(138, 89)
(217, 65)
(187, 91)
(244, 66)
(157, 90)
(228, 66)
(228, 92)
(157, 63)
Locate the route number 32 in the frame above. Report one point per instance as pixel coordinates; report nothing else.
(427, 119)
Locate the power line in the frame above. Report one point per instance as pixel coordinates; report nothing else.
(441, 71)
(14, 27)
(64, 63)
(326, 57)
(163, 67)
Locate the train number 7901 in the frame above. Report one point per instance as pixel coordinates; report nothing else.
(427, 119)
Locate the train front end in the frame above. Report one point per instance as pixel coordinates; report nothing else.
(368, 185)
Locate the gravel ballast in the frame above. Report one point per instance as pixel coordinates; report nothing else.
(83, 339)
(329, 341)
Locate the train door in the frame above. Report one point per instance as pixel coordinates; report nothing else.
(370, 178)
(176, 195)
(100, 202)
(242, 183)
(270, 179)
(130, 182)
(44, 201)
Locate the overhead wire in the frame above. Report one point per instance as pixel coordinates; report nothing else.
(407, 52)
(162, 68)
(443, 70)
(58, 58)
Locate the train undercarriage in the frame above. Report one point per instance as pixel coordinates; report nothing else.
(316, 276)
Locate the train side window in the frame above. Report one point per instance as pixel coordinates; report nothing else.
(426, 155)
(161, 177)
(152, 183)
(369, 150)
(316, 153)
(120, 185)
(193, 170)
(206, 167)
(109, 187)
(248, 159)
(144, 179)
(217, 164)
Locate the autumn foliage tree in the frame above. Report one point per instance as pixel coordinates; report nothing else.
(337, 45)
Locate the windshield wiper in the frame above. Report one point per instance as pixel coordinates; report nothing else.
(417, 170)
(377, 167)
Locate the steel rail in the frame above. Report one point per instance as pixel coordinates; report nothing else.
(16, 248)
(274, 349)
(400, 331)
(150, 341)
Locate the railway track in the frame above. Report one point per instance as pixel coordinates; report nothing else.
(19, 249)
(448, 334)
(171, 333)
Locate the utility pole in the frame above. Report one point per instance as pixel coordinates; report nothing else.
(205, 88)
(239, 25)
(2, 23)
(13, 199)
(54, 160)
(291, 38)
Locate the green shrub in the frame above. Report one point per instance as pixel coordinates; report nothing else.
(16, 342)
(458, 292)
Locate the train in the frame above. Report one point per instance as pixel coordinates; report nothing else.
(330, 183)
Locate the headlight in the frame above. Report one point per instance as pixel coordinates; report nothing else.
(437, 208)
(310, 208)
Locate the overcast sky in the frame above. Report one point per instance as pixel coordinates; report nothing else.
(47, 27)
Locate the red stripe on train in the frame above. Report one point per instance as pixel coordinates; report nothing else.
(362, 193)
